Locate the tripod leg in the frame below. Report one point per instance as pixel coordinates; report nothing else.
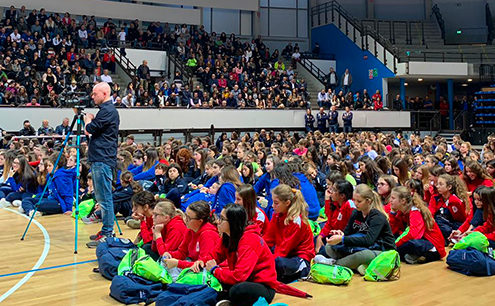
(50, 176)
(80, 123)
(118, 226)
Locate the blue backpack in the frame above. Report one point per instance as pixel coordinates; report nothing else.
(187, 295)
(133, 289)
(470, 261)
(110, 254)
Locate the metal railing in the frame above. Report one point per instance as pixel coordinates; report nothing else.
(313, 69)
(436, 123)
(440, 56)
(460, 120)
(179, 65)
(435, 10)
(366, 37)
(124, 62)
(399, 28)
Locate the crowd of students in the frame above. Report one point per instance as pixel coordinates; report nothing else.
(246, 208)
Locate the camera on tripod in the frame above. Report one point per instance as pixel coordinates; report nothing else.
(75, 99)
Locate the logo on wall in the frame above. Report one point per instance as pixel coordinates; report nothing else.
(372, 73)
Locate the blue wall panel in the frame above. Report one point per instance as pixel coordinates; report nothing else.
(348, 55)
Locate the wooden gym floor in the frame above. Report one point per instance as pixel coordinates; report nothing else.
(50, 243)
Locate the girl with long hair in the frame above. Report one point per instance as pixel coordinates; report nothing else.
(422, 241)
(289, 234)
(366, 235)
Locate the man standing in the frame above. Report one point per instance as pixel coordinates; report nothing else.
(143, 73)
(332, 79)
(347, 119)
(346, 81)
(45, 129)
(333, 119)
(102, 154)
(321, 120)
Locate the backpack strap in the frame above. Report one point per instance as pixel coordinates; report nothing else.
(487, 261)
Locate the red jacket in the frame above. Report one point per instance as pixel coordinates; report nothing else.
(453, 204)
(471, 186)
(197, 245)
(397, 220)
(147, 229)
(338, 217)
(465, 226)
(253, 262)
(418, 230)
(293, 239)
(487, 229)
(261, 220)
(429, 193)
(172, 235)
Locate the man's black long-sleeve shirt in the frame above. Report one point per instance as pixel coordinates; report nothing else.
(104, 130)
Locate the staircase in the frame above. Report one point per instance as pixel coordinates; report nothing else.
(314, 85)
(448, 135)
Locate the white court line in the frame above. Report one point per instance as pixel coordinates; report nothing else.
(40, 261)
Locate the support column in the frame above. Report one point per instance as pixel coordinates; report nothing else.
(256, 23)
(403, 92)
(438, 93)
(450, 90)
(428, 6)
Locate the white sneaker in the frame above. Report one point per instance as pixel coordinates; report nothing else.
(16, 203)
(323, 260)
(4, 203)
(224, 303)
(38, 214)
(20, 209)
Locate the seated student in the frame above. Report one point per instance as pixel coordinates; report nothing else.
(203, 193)
(424, 241)
(137, 162)
(449, 206)
(246, 197)
(263, 185)
(157, 186)
(289, 234)
(384, 186)
(338, 209)
(200, 158)
(475, 218)
(175, 185)
(249, 272)
(229, 179)
(431, 189)
(143, 204)
(207, 175)
(169, 229)
(122, 196)
(366, 235)
(22, 182)
(488, 227)
(148, 169)
(200, 239)
(59, 196)
(474, 175)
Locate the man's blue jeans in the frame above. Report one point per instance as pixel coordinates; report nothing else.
(102, 181)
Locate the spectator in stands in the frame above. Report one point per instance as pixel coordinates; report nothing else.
(143, 73)
(105, 77)
(27, 129)
(45, 129)
(397, 103)
(64, 128)
(332, 79)
(377, 100)
(428, 104)
(346, 80)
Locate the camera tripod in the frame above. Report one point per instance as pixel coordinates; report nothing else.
(79, 120)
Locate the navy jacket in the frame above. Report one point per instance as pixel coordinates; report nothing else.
(104, 130)
(347, 118)
(225, 195)
(333, 118)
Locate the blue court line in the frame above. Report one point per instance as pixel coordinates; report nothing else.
(49, 268)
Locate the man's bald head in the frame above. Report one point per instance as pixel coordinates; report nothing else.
(101, 93)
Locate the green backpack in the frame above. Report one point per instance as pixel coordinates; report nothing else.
(85, 208)
(140, 263)
(474, 240)
(315, 227)
(384, 267)
(325, 274)
(188, 277)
